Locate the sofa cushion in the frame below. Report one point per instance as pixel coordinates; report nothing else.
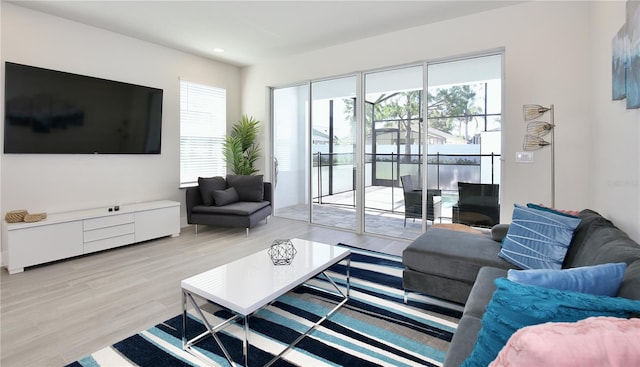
(482, 290)
(243, 208)
(596, 341)
(587, 219)
(225, 197)
(538, 239)
(514, 306)
(463, 340)
(208, 185)
(499, 232)
(249, 188)
(453, 254)
(604, 279)
(630, 286)
(436, 285)
(599, 243)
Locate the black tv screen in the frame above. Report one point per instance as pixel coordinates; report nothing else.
(54, 112)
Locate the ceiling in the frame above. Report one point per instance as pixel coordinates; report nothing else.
(253, 32)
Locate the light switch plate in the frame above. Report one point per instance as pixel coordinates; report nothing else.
(524, 157)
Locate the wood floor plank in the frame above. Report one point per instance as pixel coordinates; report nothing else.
(54, 314)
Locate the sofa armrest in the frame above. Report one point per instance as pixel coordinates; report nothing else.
(268, 192)
(499, 231)
(193, 198)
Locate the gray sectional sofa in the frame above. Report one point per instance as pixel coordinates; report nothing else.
(237, 201)
(462, 267)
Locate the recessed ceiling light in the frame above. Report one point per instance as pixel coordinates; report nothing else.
(218, 49)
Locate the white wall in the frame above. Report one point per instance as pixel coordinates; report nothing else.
(54, 183)
(544, 63)
(547, 60)
(555, 52)
(615, 157)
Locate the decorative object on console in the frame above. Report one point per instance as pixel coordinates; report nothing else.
(15, 216)
(282, 252)
(536, 130)
(29, 218)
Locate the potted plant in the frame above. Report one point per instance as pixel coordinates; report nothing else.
(240, 148)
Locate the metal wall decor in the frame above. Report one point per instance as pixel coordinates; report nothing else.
(534, 138)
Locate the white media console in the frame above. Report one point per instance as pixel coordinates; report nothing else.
(70, 234)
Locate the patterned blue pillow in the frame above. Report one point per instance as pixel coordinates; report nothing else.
(537, 239)
(550, 210)
(603, 279)
(515, 306)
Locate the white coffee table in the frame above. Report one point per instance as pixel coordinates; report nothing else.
(248, 284)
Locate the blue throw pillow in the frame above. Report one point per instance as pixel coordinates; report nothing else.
(550, 210)
(514, 306)
(603, 280)
(537, 239)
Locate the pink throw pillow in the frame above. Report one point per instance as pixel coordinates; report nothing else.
(595, 341)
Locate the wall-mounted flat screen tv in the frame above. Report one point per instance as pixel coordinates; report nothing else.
(55, 112)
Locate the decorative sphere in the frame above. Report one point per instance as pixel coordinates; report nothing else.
(282, 252)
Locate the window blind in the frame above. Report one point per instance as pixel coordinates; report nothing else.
(203, 127)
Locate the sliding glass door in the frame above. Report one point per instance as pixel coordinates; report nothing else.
(290, 109)
(333, 152)
(464, 136)
(387, 152)
(393, 149)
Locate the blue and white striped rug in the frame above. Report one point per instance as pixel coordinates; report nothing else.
(374, 328)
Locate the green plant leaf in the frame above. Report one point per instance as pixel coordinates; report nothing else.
(241, 151)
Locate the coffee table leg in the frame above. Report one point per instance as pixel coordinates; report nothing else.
(245, 343)
(184, 320)
(348, 274)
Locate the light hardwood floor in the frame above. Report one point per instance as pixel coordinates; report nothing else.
(54, 314)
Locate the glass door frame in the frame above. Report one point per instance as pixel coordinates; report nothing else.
(360, 151)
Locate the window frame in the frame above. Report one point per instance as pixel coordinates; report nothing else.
(203, 127)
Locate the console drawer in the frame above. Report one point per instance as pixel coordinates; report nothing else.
(108, 221)
(108, 232)
(107, 243)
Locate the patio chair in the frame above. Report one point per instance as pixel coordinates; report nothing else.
(413, 201)
(477, 205)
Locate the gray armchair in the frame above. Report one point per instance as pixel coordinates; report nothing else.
(477, 205)
(251, 206)
(413, 201)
